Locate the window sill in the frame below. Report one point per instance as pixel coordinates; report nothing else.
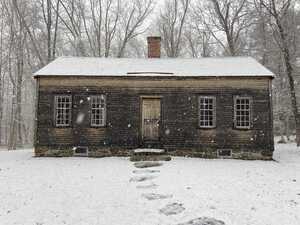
(98, 127)
(206, 128)
(242, 128)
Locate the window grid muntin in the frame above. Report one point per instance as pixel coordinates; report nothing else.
(98, 110)
(63, 110)
(207, 111)
(243, 112)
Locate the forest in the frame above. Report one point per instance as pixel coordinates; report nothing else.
(35, 32)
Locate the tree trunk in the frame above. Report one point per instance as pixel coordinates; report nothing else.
(12, 140)
(1, 104)
(298, 130)
(289, 71)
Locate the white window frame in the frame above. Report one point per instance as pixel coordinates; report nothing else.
(247, 127)
(56, 108)
(214, 110)
(103, 109)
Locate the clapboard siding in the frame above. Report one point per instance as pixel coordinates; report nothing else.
(179, 126)
(156, 82)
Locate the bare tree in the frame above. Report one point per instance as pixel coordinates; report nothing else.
(199, 41)
(226, 17)
(17, 34)
(279, 10)
(2, 26)
(101, 28)
(22, 19)
(171, 22)
(133, 18)
(50, 12)
(71, 17)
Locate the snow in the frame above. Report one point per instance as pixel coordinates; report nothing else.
(210, 66)
(148, 150)
(98, 191)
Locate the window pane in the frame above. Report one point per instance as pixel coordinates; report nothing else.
(98, 110)
(206, 111)
(63, 107)
(242, 112)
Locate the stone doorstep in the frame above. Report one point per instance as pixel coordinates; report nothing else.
(136, 158)
(148, 151)
(149, 154)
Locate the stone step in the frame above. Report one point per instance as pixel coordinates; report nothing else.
(148, 151)
(136, 158)
(149, 154)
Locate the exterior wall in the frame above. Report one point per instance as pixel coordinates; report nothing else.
(180, 133)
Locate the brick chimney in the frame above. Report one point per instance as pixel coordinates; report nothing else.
(153, 46)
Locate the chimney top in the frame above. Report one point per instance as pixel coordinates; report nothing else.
(154, 46)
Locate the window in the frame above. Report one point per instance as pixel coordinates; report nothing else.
(63, 113)
(242, 112)
(207, 111)
(98, 110)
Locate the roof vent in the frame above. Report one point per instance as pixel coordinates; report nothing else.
(224, 153)
(80, 151)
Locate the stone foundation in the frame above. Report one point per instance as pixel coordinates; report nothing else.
(212, 154)
(67, 151)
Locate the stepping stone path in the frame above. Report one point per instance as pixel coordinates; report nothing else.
(150, 158)
(172, 209)
(146, 164)
(203, 221)
(153, 196)
(145, 171)
(147, 186)
(141, 178)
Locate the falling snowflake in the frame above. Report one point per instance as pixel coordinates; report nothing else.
(80, 118)
(167, 131)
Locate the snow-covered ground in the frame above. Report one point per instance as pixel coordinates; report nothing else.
(111, 191)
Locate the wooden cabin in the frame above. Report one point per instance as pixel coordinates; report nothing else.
(207, 107)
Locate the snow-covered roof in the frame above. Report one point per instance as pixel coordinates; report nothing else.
(202, 67)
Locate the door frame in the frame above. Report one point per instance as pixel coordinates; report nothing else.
(142, 97)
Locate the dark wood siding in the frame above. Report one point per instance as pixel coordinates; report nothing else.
(179, 127)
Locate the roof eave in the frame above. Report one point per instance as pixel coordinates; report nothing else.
(157, 76)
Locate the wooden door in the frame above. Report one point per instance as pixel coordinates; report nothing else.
(150, 118)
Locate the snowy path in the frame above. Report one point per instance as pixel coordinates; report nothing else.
(87, 191)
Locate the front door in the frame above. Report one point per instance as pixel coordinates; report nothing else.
(150, 118)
